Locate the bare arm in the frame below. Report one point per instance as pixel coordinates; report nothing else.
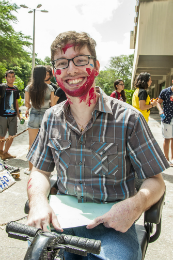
(159, 107)
(143, 106)
(27, 103)
(17, 109)
(56, 99)
(40, 214)
(123, 214)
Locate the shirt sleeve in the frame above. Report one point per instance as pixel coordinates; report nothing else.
(59, 92)
(112, 94)
(142, 94)
(144, 152)
(27, 89)
(162, 96)
(40, 154)
(51, 88)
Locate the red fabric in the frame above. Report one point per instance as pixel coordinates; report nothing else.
(118, 95)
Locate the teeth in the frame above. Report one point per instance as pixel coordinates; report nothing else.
(74, 81)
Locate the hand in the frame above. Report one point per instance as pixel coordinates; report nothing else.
(154, 103)
(40, 216)
(120, 217)
(26, 113)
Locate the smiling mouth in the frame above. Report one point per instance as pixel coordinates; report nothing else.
(74, 81)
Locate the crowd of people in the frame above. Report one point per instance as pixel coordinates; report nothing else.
(97, 144)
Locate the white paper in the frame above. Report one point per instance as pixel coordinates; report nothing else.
(70, 213)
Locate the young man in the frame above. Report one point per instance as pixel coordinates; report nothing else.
(9, 110)
(166, 97)
(97, 144)
(59, 93)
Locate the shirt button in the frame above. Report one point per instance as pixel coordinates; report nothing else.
(80, 163)
(80, 182)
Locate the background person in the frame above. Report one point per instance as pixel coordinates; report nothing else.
(166, 97)
(97, 144)
(119, 92)
(59, 93)
(49, 75)
(9, 110)
(60, 96)
(37, 97)
(141, 99)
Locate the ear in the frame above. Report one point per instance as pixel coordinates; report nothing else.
(97, 68)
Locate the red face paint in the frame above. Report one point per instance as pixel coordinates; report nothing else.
(69, 101)
(58, 72)
(67, 46)
(29, 186)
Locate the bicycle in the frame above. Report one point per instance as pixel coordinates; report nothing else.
(50, 245)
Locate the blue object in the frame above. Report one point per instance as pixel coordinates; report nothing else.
(162, 116)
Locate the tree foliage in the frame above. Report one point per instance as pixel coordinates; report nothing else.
(13, 54)
(120, 67)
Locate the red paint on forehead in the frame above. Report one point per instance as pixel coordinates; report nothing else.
(67, 46)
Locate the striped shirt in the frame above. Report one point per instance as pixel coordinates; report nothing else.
(99, 164)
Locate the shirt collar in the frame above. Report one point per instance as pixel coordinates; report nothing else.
(103, 104)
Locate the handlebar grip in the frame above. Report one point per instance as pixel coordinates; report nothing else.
(21, 228)
(91, 245)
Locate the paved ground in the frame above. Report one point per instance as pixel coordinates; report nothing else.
(13, 199)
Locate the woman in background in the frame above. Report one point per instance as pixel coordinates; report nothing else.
(37, 97)
(141, 99)
(119, 92)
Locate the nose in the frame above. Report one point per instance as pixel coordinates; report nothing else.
(72, 69)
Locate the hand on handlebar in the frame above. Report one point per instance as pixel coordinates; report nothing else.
(41, 216)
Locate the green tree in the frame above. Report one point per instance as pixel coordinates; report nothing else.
(12, 44)
(120, 67)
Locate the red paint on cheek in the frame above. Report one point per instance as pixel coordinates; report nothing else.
(88, 71)
(29, 187)
(67, 46)
(58, 72)
(96, 73)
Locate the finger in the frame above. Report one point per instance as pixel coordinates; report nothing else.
(46, 227)
(106, 225)
(95, 222)
(55, 223)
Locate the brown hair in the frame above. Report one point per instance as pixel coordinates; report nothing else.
(78, 39)
(142, 80)
(38, 87)
(49, 69)
(122, 91)
(9, 72)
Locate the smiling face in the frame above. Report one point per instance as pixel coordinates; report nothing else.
(76, 81)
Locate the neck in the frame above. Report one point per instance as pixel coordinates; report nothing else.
(172, 88)
(119, 91)
(10, 84)
(47, 81)
(82, 107)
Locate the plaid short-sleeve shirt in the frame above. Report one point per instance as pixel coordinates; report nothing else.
(99, 164)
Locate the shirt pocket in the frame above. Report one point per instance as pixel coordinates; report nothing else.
(104, 158)
(61, 152)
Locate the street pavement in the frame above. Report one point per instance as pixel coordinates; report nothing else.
(13, 199)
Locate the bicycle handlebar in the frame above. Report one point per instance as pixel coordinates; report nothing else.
(45, 244)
